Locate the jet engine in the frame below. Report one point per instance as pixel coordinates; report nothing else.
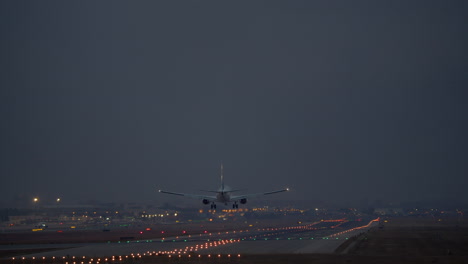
(243, 201)
(205, 201)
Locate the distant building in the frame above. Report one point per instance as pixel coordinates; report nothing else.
(389, 211)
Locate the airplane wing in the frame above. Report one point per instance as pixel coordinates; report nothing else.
(207, 197)
(257, 194)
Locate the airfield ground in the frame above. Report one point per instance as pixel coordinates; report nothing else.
(61, 236)
(414, 240)
(396, 240)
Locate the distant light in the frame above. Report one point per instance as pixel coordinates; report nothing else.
(35, 199)
(58, 200)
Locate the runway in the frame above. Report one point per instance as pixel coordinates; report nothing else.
(319, 237)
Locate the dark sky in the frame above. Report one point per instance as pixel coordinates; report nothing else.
(343, 101)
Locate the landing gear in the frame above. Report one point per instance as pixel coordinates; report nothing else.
(235, 206)
(213, 206)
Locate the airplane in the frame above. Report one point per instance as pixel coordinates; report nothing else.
(223, 195)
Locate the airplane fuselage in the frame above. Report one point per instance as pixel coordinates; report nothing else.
(223, 197)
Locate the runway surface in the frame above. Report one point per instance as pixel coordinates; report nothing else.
(318, 237)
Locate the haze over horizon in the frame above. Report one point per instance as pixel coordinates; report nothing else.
(341, 101)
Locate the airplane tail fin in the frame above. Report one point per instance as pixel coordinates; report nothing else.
(222, 178)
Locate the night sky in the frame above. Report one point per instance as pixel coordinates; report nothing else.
(348, 102)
